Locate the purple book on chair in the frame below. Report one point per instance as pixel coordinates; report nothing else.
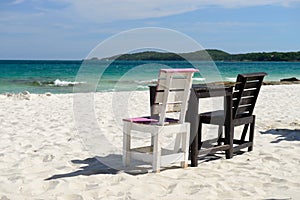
(143, 120)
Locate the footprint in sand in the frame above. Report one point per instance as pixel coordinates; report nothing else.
(91, 186)
(294, 124)
(15, 179)
(4, 198)
(73, 197)
(278, 180)
(48, 158)
(51, 185)
(270, 158)
(171, 188)
(267, 185)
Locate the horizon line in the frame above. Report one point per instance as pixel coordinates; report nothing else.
(82, 59)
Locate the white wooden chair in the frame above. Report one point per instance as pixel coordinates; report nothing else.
(172, 94)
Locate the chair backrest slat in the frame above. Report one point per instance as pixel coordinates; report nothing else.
(245, 101)
(174, 96)
(177, 83)
(246, 93)
(171, 107)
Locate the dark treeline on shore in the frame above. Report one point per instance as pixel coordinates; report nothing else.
(216, 55)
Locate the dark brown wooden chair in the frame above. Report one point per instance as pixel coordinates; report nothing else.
(244, 98)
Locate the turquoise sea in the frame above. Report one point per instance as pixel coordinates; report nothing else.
(40, 76)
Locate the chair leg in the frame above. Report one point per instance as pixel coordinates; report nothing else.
(156, 153)
(183, 163)
(220, 135)
(199, 137)
(243, 136)
(195, 147)
(126, 144)
(185, 147)
(251, 135)
(229, 133)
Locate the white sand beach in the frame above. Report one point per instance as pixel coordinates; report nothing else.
(42, 155)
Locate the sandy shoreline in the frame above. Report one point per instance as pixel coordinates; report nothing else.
(39, 141)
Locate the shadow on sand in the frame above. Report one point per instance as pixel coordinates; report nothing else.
(92, 166)
(284, 134)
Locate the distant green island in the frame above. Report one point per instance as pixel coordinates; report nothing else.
(216, 55)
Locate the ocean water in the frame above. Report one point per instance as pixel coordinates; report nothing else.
(60, 76)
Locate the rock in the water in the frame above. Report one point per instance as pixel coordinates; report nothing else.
(9, 94)
(289, 79)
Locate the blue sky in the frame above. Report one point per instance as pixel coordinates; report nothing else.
(70, 29)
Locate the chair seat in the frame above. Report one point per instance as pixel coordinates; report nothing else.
(149, 120)
(218, 118)
(142, 120)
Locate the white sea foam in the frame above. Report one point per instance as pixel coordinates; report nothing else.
(199, 79)
(60, 83)
(232, 79)
(142, 87)
(146, 81)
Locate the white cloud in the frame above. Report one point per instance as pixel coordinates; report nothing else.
(246, 3)
(112, 10)
(102, 11)
(17, 2)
